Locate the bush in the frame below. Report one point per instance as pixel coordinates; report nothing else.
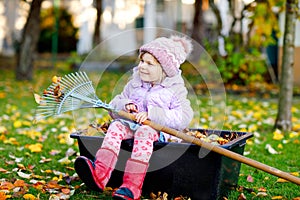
(67, 33)
(240, 66)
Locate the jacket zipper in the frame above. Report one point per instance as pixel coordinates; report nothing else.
(145, 98)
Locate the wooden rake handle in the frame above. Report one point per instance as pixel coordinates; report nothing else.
(217, 149)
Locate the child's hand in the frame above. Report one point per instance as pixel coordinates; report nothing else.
(141, 117)
(131, 108)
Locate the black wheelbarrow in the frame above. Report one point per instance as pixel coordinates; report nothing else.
(179, 169)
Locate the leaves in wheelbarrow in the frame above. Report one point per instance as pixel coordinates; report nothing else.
(212, 138)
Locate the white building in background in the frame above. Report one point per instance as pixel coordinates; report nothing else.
(118, 15)
(12, 21)
(86, 20)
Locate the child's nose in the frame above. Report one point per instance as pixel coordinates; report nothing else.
(143, 65)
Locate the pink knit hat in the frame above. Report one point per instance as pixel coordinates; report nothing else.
(170, 52)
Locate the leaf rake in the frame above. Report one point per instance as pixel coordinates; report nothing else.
(71, 92)
(75, 91)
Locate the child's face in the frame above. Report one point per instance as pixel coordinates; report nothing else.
(149, 69)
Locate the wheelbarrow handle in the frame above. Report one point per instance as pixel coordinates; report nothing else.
(217, 149)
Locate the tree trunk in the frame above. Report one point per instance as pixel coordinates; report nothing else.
(197, 32)
(31, 32)
(97, 33)
(284, 115)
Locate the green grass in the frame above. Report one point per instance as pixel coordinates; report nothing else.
(46, 167)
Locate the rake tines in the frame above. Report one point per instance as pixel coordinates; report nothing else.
(68, 94)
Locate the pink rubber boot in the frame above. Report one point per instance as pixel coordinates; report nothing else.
(96, 174)
(131, 189)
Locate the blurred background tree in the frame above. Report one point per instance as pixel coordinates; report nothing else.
(28, 44)
(284, 114)
(97, 32)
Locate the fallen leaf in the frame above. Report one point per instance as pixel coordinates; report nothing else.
(261, 194)
(277, 135)
(19, 183)
(295, 173)
(23, 175)
(4, 196)
(37, 176)
(257, 115)
(17, 124)
(34, 148)
(3, 130)
(44, 159)
(262, 189)
(270, 149)
(29, 196)
(6, 186)
(38, 99)
(56, 79)
(54, 152)
(296, 126)
(277, 197)
(242, 197)
(26, 123)
(281, 180)
(3, 170)
(21, 166)
(54, 197)
(11, 140)
(53, 185)
(17, 159)
(250, 179)
(257, 141)
(47, 171)
(58, 173)
(38, 185)
(152, 195)
(2, 96)
(66, 190)
(64, 161)
(70, 152)
(293, 135)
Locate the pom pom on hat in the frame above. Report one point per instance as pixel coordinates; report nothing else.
(186, 43)
(170, 52)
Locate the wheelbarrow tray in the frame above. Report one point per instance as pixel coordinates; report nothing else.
(179, 169)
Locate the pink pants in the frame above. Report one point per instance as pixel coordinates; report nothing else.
(144, 137)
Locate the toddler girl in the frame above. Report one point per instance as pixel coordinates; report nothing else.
(156, 92)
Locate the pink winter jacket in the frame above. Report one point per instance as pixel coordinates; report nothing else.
(166, 103)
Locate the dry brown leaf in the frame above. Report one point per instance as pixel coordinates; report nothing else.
(242, 197)
(6, 186)
(3, 170)
(19, 183)
(65, 190)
